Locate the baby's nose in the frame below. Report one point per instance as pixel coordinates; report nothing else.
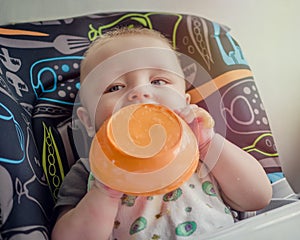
(139, 94)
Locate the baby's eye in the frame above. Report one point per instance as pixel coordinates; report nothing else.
(114, 88)
(159, 82)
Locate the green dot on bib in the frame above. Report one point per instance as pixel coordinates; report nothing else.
(172, 196)
(138, 225)
(208, 188)
(186, 229)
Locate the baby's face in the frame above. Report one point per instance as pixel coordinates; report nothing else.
(131, 70)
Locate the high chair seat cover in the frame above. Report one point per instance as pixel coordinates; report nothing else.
(39, 80)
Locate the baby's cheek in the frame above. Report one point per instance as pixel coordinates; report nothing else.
(186, 114)
(104, 111)
(171, 98)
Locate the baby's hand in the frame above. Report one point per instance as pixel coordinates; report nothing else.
(201, 123)
(106, 190)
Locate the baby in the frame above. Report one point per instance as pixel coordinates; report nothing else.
(130, 66)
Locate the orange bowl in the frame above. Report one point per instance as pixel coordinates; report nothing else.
(144, 149)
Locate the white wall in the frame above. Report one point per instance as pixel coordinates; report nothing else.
(267, 30)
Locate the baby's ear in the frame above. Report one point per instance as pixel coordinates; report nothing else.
(188, 98)
(84, 117)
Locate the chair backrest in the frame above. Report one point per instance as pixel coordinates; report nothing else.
(39, 75)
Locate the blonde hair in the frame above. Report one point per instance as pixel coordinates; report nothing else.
(121, 32)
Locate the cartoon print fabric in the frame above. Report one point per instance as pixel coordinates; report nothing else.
(39, 80)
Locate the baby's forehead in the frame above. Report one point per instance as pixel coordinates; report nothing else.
(119, 64)
(108, 47)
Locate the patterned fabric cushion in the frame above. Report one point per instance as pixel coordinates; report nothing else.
(39, 80)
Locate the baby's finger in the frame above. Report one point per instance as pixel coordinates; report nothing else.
(204, 117)
(105, 189)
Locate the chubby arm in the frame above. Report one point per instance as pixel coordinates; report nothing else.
(243, 182)
(93, 217)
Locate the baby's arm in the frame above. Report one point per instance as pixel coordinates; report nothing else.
(93, 217)
(243, 182)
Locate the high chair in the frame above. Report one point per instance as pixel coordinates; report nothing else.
(39, 80)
